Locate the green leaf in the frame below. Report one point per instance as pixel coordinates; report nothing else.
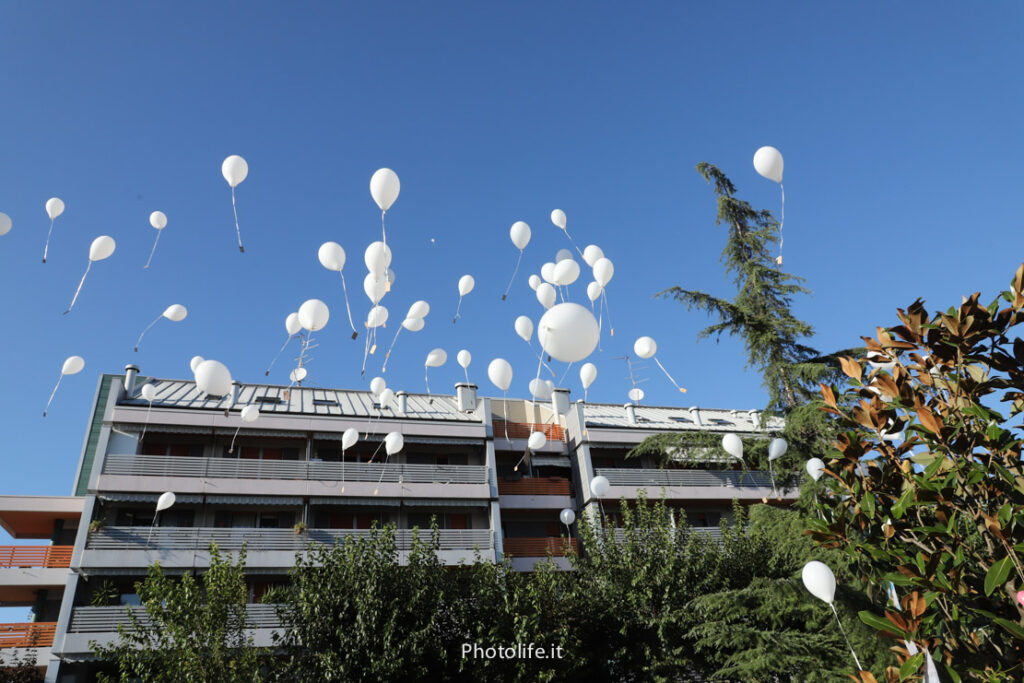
(1013, 628)
(911, 665)
(867, 504)
(997, 574)
(878, 623)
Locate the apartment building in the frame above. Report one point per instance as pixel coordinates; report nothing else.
(284, 482)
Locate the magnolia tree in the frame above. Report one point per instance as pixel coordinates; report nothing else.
(927, 487)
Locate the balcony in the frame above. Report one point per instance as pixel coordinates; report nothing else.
(712, 532)
(534, 486)
(27, 556)
(37, 634)
(694, 484)
(538, 547)
(522, 430)
(27, 569)
(158, 473)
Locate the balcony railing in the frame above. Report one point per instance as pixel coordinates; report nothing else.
(712, 532)
(38, 634)
(522, 430)
(24, 556)
(313, 470)
(538, 547)
(106, 619)
(534, 486)
(640, 477)
(255, 540)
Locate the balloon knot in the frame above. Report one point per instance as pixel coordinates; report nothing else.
(241, 248)
(355, 334)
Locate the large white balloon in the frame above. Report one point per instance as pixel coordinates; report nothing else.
(500, 373)
(377, 385)
(384, 188)
(524, 328)
(213, 377)
(194, 363)
(645, 347)
(165, 501)
(101, 248)
(546, 295)
(537, 441)
(5, 223)
(558, 218)
(375, 287)
(413, 324)
(234, 169)
(250, 413)
(568, 332)
(594, 290)
(377, 258)
(148, 392)
(541, 389)
(733, 445)
(349, 438)
(466, 284)
(332, 256)
(419, 309)
(377, 316)
(561, 255)
(464, 358)
(588, 373)
(815, 467)
(436, 358)
(313, 315)
(567, 516)
(777, 448)
(393, 442)
(292, 324)
(72, 365)
(768, 163)
(599, 486)
(158, 219)
(819, 580)
(547, 272)
(175, 313)
(566, 272)
(54, 207)
(386, 397)
(534, 282)
(520, 234)
(603, 271)
(591, 253)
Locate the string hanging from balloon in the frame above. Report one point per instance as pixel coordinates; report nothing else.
(72, 366)
(279, 351)
(769, 164)
(79, 290)
(235, 170)
(54, 208)
(148, 392)
(52, 394)
(101, 248)
(519, 233)
(843, 631)
(512, 279)
(175, 313)
(782, 221)
(466, 284)
(159, 221)
(559, 219)
(348, 309)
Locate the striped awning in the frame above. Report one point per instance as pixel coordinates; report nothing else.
(445, 502)
(147, 497)
(163, 429)
(255, 500)
(551, 460)
(351, 500)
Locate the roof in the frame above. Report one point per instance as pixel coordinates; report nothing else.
(655, 418)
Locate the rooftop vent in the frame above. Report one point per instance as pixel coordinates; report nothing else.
(560, 401)
(403, 401)
(630, 413)
(465, 396)
(324, 402)
(130, 373)
(272, 400)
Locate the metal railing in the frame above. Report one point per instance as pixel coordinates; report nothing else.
(538, 547)
(712, 532)
(255, 540)
(534, 486)
(314, 470)
(23, 556)
(37, 634)
(106, 619)
(641, 477)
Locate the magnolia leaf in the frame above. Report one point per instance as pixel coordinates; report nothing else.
(997, 574)
(851, 368)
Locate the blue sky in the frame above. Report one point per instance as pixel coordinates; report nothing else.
(900, 125)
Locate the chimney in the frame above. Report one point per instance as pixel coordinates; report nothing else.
(130, 373)
(465, 393)
(695, 416)
(755, 418)
(630, 413)
(560, 401)
(403, 401)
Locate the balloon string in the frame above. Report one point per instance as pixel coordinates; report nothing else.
(146, 423)
(384, 237)
(466, 370)
(567, 369)
(457, 309)
(348, 309)
(771, 475)
(366, 353)
(388, 354)
(782, 221)
(670, 378)
(573, 243)
(611, 327)
(504, 411)
(46, 249)
(153, 250)
(843, 631)
(145, 331)
(426, 378)
(514, 272)
(75, 298)
(52, 394)
(271, 366)
(238, 230)
(231, 448)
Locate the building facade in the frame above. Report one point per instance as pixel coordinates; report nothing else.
(284, 482)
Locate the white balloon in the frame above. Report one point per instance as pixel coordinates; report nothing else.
(880, 361)
(377, 316)
(541, 389)
(234, 169)
(413, 324)
(377, 258)
(819, 580)
(384, 188)
(768, 163)
(194, 363)
(436, 358)
(175, 313)
(464, 358)
(349, 438)
(466, 284)
(375, 287)
(588, 373)
(603, 271)
(534, 282)
(250, 413)
(292, 324)
(733, 445)
(561, 255)
(520, 234)
(636, 394)
(165, 501)
(599, 485)
(500, 373)
(566, 272)
(524, 328)
(546, 295)
(645, 347)
(213, 377)
(815, 468)
(568, 332)
(547, 272)
(419, 309)
(567, 516)
(298, 374)
(393, 443)
(777, 448)
(377, 385)
(54, 207)
(313, 315)
(101, 248)
(594, 290)
(158, 219)
(386, 397)
(537, 441)
(148, 392)
(5, 223)
(558, 218)
(332, 256)
(72, 365)
(591, 253)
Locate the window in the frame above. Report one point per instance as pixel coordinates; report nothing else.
(180, 450)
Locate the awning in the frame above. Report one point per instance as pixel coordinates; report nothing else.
(445, 502)
(350, 500)
(147, 497)
(470, 441)
(163, 429)
(272, 433)
(551, 460)
(254, 500)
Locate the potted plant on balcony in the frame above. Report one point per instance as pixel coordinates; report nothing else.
(106, 594)
(299, 528)
(96, 525)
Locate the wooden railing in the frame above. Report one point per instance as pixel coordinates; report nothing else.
(534, 486)
(522, 430)
(49, 556)
(538, 547)
(38, 634)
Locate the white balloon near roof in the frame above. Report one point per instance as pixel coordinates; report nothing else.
(733, 445)
(313, 315)
(519, 233)
(568, 332)
(250, 414)
(646, 347)
(165, 501)
(148, 392)
(537, 441)
(54, 208)
(435, 359)
(464, 358)
(72, 366)
(157, 219)
(768, 163)
(175, 313)
(377, 385)
(100, 250)
(499, 371)
(541, 389)
(213, 378)
(235, 169)
(393, 443)
(588, 373)
(349, 438)
(386, 397)
(815, 468)
(194, 363)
